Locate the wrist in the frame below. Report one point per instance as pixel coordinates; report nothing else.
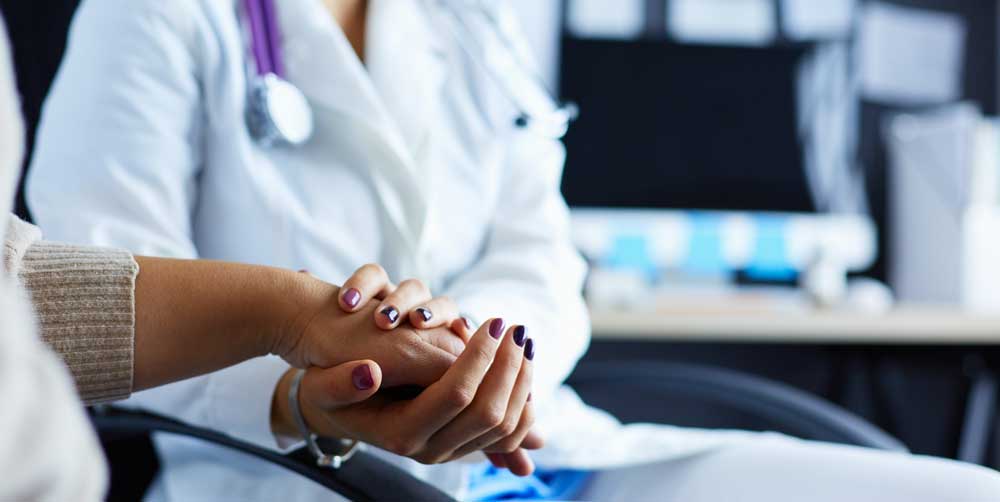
(282, 424)
(298, 299)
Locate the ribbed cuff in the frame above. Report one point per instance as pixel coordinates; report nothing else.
(84, 299)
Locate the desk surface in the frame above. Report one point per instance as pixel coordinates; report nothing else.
(904, 325)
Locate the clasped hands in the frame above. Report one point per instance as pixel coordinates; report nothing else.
(395, 368)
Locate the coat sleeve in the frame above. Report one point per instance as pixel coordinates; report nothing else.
(529, 272)
(117, 163)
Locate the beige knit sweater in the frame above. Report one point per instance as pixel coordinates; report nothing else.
(84, 300)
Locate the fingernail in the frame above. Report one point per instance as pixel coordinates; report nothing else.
(362, 377)
(496, 328)
(519, 336)
(529, 349)
(390, 313)
(425, 314)
(468, 323)
(529, 396)
(352, 297)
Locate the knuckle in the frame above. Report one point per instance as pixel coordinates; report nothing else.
(414, 284)
(372, 270)
(508, 426)
(481, 354)
(491, 416)
(460, 396)
(506, 446)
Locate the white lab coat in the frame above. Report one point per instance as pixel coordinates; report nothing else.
(413, 165)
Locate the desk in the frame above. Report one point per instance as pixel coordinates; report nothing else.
(904, 326)
(908, 325)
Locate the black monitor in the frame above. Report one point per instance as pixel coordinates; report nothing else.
(667, 125)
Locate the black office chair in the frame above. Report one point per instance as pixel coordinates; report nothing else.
(691, 395)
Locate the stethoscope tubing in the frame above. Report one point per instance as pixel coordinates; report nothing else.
(265, 37)
(265, 41)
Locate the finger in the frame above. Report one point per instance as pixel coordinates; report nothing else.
(533, 441)
(440, 311)
(487, 419)
(497, 460)
(513, 422)
(341, 385)
(406, 297)
(519, 463)
(369, 281)
(462, 327)
(442, 401)
(513, 441)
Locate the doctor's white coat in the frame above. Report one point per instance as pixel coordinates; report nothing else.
(413, 165)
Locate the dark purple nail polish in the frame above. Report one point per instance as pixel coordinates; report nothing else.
(529, 349)
(529, 396)
(425, 314)
(519, 336)
(496, 328)
(468, 323)
(352, 297)
(362, 377)
(390, 313)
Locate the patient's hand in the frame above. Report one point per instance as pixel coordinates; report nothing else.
(324, 335)
(479, 404)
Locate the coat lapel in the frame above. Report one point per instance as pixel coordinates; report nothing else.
(392, 101)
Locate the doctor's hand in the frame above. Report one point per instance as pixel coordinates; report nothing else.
(410, 301)
(480, 404)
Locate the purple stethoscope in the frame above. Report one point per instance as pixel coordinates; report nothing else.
(277, 111)
(279, 114)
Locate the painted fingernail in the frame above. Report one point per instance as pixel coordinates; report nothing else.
(529, 349)
(352, 297)
(362, 377)
(529, 396)
(390, 313)
(519, 336)
(496, 328)
(425, 314)
(468, 323)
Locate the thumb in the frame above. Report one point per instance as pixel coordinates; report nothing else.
(341, 385)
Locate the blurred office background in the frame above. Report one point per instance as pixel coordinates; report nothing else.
(749, 168)
(819, 169)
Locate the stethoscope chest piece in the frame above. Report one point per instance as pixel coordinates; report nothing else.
(278, 113)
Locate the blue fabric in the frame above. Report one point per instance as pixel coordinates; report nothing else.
(489, 483)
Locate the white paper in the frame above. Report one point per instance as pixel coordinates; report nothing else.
(910, 56)
(618, 19)
(741, 22)
(810, 20)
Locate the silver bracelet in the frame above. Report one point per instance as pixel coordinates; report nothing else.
(323, 459)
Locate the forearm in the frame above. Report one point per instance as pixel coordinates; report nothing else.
(196, 316)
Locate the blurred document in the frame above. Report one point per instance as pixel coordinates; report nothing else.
(742, 22)
(804, 21)
(910, 56)
(621, 19)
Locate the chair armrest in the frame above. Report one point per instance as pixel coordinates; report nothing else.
(365, 477)
(783, 407)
